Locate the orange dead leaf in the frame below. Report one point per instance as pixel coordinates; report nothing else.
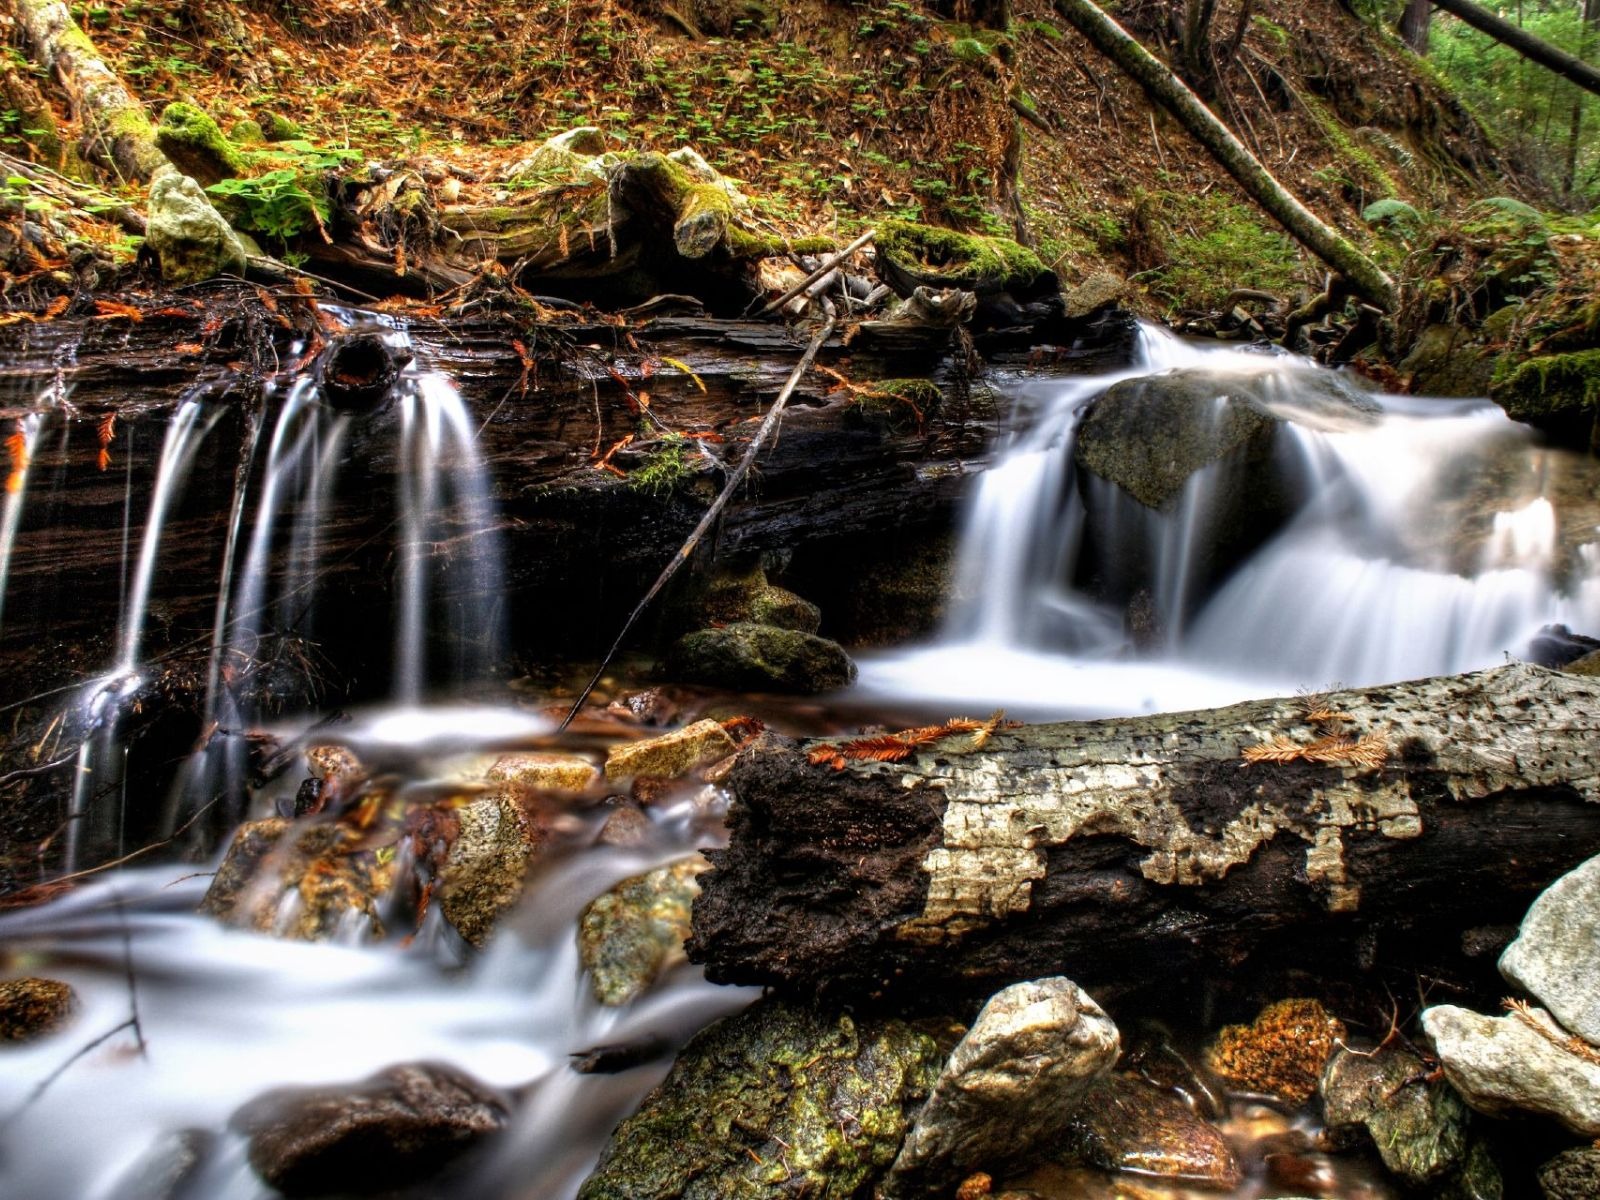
(55, 308)
(743, 729)
(17, 453)
(111, 310)
(189, 348)
(896, 747)
(106, 430)
(603, 463)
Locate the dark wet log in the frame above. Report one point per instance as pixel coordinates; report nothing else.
(1125, 853)
(359, 370)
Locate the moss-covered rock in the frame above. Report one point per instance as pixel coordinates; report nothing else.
(779, 1101)
(1550, 386)
(634, 933)
(1281, 1053)
(912, 256)
(196, 144)
(33, 1007)
(574, 155)
(1447, 360)
(247, 132)
(483, 873)
(276, 127)
(747, 656)
(1418, 1124)
(188, 236)
(744, 594)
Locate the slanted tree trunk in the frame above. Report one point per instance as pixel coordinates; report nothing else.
(1534, 49)
(1415, 23)
(1126, 852)
(119, 133)
(1172, 94)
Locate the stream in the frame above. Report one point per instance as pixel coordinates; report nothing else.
(1417, 537)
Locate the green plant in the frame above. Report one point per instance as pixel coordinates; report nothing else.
(273, 205)
(666, 468)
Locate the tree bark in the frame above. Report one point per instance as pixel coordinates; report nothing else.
(1172, 94)
(1415, 23)
(1534, 49)
(119, 132)
(1126, 852)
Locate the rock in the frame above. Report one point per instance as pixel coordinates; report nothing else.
(1479, 1179)
(782, 1100)
(629, 937)
(573, 155)
(1572, 1175)
(1419, 1127)
(1124, 1124)
(1028, 1061)
(672, 754)
(746, 595)
(33, 1007)
(1281, 1053)
(1589, 665)
(196, 145)
(1556, 957)
(308, 883)
(1551, 389)
(276, 127)
(750, 657)
(1556, 646)
(1505, 1064)
(189, 238)
(1447, 360)
(484, 870)
(627, 825)
(397, 1127)
(1100, 290)
(525, 773)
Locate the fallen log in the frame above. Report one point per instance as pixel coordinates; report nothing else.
(1534, 49)
(1124, 853)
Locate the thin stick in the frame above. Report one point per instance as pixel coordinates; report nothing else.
(827, 265)
(132, 981)
(768, 424)
(44, 1084)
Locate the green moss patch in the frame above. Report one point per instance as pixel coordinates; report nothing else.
(1551, 385)
(196, 144)
(927, 255)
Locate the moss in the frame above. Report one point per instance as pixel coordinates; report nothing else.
(956, 259)
(246, 133)
(276, 127)
(1350, 152)
(814, 243)
(1224, 245)
(900, 404)
(1550, 385)
(666, 469)
(196, 144)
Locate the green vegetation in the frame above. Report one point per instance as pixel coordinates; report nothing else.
(1208, 245)
(667, 468)
(196, 144)
(956, 259)
(1550, 385)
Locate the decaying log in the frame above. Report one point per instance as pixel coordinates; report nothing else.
(1126, 852)
(120, 131)
(1534, 49)
(1166, 89)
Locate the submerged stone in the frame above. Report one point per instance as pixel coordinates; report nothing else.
(526, 773)
(783, 1100)
(750, 657)
(33, 1007)
(1556, 956)
(672, 754)
(629, 937)
(1029, 1060)
(395, 1128)
(1418, 1125)
(1281, 1053)
(1124, 1124)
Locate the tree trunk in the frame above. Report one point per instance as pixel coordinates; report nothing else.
(1591, 18)
(1126, 852)
(1415, 22)
(118, 132)
(1537, 50)
(1171, 92)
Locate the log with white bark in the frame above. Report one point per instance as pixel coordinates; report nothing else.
(1127, 852)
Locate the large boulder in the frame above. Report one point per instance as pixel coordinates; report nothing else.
(187, 235)
(396, 1128)
(782, 1100)
(1028, 1061)
(634, 933)
(1556, 956)
(1521, 1062)
(750, 657)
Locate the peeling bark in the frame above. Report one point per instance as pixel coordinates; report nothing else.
(1127, 851)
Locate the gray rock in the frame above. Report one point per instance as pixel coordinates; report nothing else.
(1556, 956)
(780, 1101)
(1572, 1175)
(1503, 1064)
(1124, 1124)
(483, 873)
(628, 937)
(1419, 1127)
(1026, 1064)
(397, 1127)
(188, 236)
(750, 657)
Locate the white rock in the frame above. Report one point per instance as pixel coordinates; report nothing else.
(1556, 956)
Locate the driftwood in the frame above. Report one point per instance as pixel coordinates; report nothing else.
(1174, 95)
(1126, 852)
(1534, 49)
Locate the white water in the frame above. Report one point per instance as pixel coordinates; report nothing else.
(1362, 586)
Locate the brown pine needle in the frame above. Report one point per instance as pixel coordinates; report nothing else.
(1525, 1013)
(1370, 751)
(897, 747)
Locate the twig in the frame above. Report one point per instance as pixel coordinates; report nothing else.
(128, 858)
(42, 768)
(768, 423)
(128, 974)
(44, 1084)
(823, 268)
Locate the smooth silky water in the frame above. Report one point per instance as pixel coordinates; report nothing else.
(1371, 580)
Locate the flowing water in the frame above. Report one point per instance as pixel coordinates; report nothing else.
(1424, 537)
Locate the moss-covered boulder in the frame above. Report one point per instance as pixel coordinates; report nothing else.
(276, 127)
(196, 145)
(1418, 1124)
(634, 933)
(750, 657)
(33, 1007)
(188, 236)
(910, 256)
(483, 873)
(575, 155)
(1560, 392)
(780, 1101)
(744, 594)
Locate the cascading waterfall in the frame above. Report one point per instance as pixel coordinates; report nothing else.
(22, 444)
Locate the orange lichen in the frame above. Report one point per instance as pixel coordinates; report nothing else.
(1281, 1053)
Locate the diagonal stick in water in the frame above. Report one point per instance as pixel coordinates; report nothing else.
(768, 423)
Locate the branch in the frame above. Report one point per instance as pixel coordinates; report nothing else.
(1534, 49)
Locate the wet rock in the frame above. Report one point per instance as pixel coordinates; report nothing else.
(1100, 290)
(189, 238)
(634, 933)
(1589, 665)
(747, 596)
(336, 777)
(1419, 1127)
(1126, 1125)
(1030, 1058)
(1447, 360)
(1572, 1175)
(782, 1100)
(543, 772)
(750, 657)
(628, 825)
(308, 883)
(1557, 646)
(1522, 1062)
(1556, 956)
(672, 754)
(397, 1127)
(1281, 1053)
(33, 1007)
(167, 1171)
(483, 872)
(1478, 1179)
